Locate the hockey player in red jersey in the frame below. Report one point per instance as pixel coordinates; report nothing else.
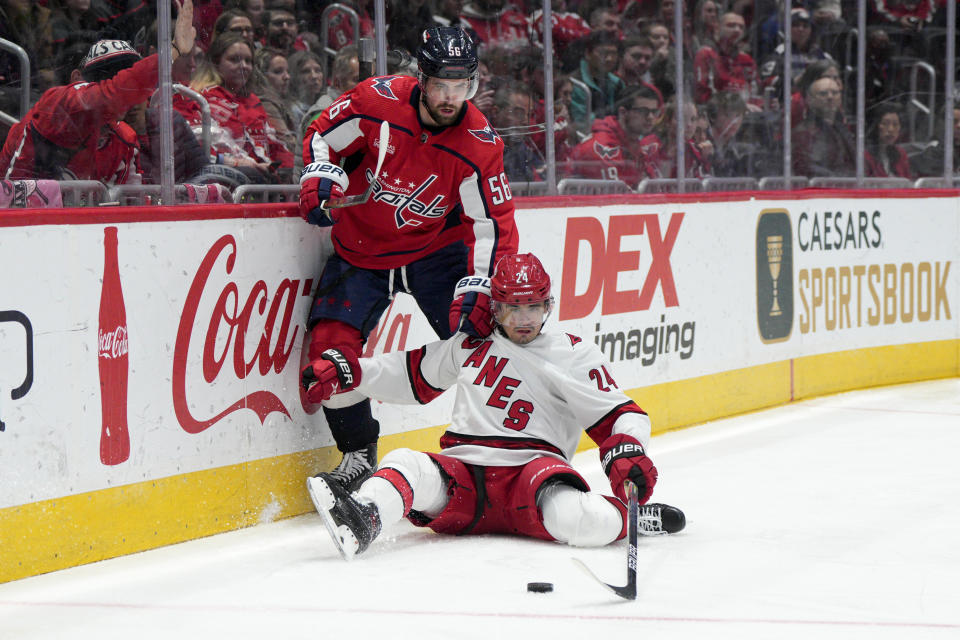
(524, 397)
(74, 131)
(440, 215)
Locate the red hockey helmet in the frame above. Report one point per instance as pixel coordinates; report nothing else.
(519, 278)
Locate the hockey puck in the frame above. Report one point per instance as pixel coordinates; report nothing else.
(540, 587)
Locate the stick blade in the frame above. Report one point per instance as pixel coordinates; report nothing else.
(627, 592)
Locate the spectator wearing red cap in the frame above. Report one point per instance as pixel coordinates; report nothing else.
(74, 131)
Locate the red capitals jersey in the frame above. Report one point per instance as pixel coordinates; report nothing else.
(920, 11)
(567, 27)
(609, 154)
(340, 31)
(437, 185)
(244, 123)
(73, 130)
(715, 71)
(507, 27)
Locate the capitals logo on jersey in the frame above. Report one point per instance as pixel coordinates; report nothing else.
(382, 87)
(487, 134)
(405, 199)
(607, 153)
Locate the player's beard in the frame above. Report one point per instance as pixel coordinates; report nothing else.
(441, 119)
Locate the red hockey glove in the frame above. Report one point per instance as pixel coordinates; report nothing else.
(470, 311)
(335, 371)
(623, 458)
(320, 181)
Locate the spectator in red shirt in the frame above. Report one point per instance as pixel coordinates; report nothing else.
(496, 23)
(883, 156)
(907, 14)
(205, 13)
(242, 136)
(613, 152)
(725, 68)
(75, 131)
(567, 26)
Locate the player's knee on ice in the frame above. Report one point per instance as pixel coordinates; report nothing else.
(578, 518)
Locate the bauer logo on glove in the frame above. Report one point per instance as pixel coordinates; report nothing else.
(335, 371)
(625, 449)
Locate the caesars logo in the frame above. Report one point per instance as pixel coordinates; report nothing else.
(774, 275)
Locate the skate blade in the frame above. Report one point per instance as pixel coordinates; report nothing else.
(324, 500)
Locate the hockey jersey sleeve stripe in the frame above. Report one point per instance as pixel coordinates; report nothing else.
(422, 390)
(338, 137)
(603, 428)
(451, 439)
(485, 232)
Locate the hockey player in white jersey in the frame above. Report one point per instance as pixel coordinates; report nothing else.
(524, 396)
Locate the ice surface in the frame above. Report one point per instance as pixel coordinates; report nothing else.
(833, 518)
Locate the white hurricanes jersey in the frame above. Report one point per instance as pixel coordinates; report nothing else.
(514, 402)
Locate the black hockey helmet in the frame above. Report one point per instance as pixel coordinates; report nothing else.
(449, 53)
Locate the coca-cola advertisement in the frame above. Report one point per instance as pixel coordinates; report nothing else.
(113, 346)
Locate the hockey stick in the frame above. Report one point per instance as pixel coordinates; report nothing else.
(360, 198)
(628, 591)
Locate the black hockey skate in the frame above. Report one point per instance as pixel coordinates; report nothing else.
(355, 467)
(352, 524)
(658, 519)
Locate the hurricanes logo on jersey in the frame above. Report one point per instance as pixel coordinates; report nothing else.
(607, 153)
(487, 134)
(408, 207)
(382, 87)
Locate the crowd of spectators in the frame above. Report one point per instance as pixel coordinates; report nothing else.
(267, 69)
